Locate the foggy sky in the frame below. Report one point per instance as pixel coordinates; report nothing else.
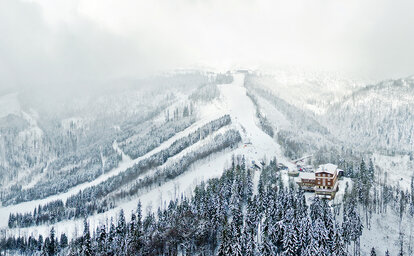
(59, 44)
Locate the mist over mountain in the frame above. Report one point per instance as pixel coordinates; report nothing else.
(206, 127)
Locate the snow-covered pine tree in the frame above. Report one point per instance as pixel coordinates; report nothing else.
(304, 227)
(52, 245)
(121, 231)
(290, 241)
(86, 240)
(46, 246)
(313, 247)
(101, 238)
(249, 247)
(338, 246)
(63, 240)
(225, 247)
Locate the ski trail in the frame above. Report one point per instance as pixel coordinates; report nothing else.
(243, 113)
(233, 101)
(126, 163)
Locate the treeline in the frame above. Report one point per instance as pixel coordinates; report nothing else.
(156, 136)
(51, 245)
(66, 172)
(67, 164)
(375, 195)
(69, 139)
(179, 112)
(85, 166)
(263, 122)
(93, 200)
(220, 142)
(136, 146)
(205, 93)
(56, 211)
(223, 217)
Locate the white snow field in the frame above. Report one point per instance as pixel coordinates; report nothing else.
(233, 101)
(397, 170)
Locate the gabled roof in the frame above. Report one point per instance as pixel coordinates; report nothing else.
(328, 168)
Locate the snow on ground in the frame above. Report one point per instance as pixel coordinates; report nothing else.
(399, 169)
(243, 114)
(234, 101)
(384, 232)
(151, 200)
(176, 158)
(311, 90)
(123, 165)
(273, 114)
(36, 179)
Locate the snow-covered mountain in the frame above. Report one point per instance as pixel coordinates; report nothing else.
(139, 142)
(370, 118)
(95, 154)
(378, 117)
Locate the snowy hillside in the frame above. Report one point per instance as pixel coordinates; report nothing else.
(254, 145)
(314, 91)
(158, 146)
(377, 117)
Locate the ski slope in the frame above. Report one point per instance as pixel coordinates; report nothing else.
(126, 163)
(233, 101)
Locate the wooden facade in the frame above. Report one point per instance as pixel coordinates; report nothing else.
(324, 181)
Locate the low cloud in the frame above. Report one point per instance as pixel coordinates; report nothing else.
(56, 45)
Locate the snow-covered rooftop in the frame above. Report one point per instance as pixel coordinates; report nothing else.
(307, 175)
(328, 168)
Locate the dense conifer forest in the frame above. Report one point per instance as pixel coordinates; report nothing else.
(228, 216)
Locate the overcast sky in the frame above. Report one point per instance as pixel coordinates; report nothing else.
(58, 43)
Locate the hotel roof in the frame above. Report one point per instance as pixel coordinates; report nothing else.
(328, 168)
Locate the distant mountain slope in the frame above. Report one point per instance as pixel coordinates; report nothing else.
(376, 118)
(310, 91)
(227, 126)
(75, 132)
(296, 129)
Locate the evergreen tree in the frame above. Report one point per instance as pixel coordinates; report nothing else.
(40, 243)
(290, 241)
(338, 246)
(101, 240)
(249, 244)
(63, 240)
(121, 230)
(137, 237)
(52, 244)
(225, 247)
(304, 227)
(313, 248)
(86, 240)
(46, 246)
(371, 170)
(267, 247)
